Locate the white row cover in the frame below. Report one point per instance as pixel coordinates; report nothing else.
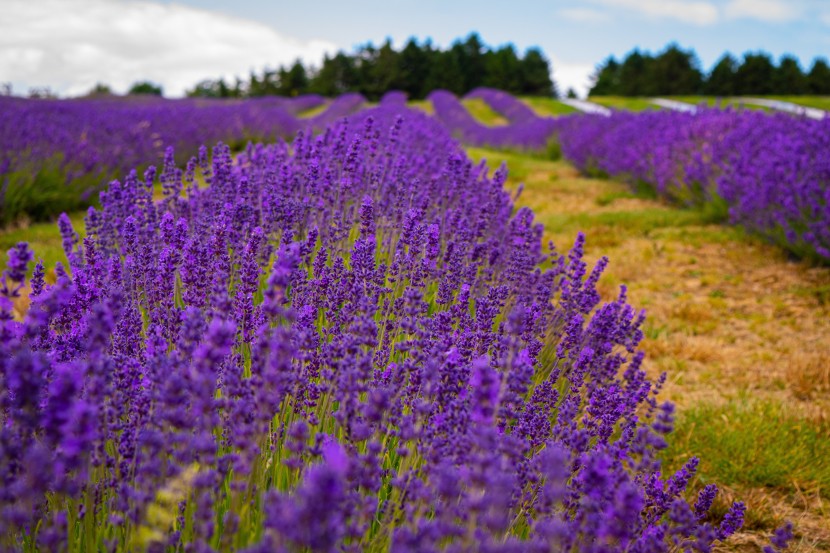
(789, 107)
(587, 107)
(675, 105)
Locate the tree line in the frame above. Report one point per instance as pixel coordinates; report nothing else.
(417, 69)
(675, 71)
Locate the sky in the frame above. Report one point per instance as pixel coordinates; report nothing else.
(70, 45)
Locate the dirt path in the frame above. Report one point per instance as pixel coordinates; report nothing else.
(743, 333)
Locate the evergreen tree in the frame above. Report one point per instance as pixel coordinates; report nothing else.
(414, 63)
(673, 72)
(445, 72)
(789, 78)
(417, 69)
(146, 87)
(204, 89)
(471, 56)
(224, 89)
(606, 79)
(100, 89)
(635, 74)
(336, 76)
(755, 75)
(721, 80)
(818, 79)
(502, 70)
(387, 73)
(293, 81)
(535, 74)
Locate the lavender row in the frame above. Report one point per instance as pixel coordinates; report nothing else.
(507, 105)
(57, 154)
(525, 134)
(353, 343)
(770, 172)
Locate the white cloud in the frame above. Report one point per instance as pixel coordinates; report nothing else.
(572, 75)
(764, 10)
(583, 15)
(70, 45)
(697, 12)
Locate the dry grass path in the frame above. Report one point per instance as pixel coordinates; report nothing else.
(742, 331)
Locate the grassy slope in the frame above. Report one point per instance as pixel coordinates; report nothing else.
(482, 111)
(422, 105)
(548, 106)
(741, 331)
(43, 238)
(623, 103)
(639, 104)
(314, 111)
(820, 102)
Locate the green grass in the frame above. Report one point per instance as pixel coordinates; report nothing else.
(43, 238)
(624, 103)
(548, 106)
(519, 164)
(753, 443)
(422, 105)
(640, 222)
(641, 104)
(482, 112)
(314, 111)
(38, 191)
(694, 100)
(820, 102)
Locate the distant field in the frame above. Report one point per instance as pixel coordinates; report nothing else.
(642, 103)
(820, 102)
(479, 109)
(551, 107)
(548, 106)
(623, 103)
(314, 111)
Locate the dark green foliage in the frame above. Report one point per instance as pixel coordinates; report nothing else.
(818, 79)
(417, 69)
(789, 78)
(672, 72)
(606, 79)
(676, 72)
(100, 89)
(293, 81)
(337, 76)
(535, 74)
(721, 81)
(755, 75)
(414, 66)
(145, 87)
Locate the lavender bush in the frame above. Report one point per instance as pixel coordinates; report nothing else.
(525, 134)
(342, 106)
(353, 343)
(767, 172)
(56, 154)
(513, 109)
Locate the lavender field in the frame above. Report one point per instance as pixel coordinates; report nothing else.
(318, 325)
